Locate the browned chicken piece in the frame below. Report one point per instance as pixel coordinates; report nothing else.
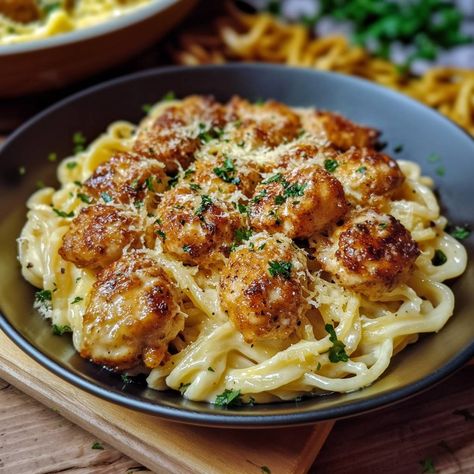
(223, 176)
(174, 136)
(98, 235)
(370, 253)
(339, 131)
(297, 202)
(132, 314)
(195, 228)
(261, 288)
(294, 155)
(127, 179)
(367, 175)
(262, 125)
(21, 11)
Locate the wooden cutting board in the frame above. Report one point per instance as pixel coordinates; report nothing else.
(161, 445)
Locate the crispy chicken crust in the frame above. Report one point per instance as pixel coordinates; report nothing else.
(98, 236)
(132, 314)
(262, 305)
(370, 253)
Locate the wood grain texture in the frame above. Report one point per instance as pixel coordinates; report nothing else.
(436, 425)
(161, 445)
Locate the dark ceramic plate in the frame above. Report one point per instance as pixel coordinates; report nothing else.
(403, 121)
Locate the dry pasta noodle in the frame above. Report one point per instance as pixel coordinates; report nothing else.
(262, 37)
(329, 331)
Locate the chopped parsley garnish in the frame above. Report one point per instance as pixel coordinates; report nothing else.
(161, 234)
(189, 172)
(258, 197)
(149, 183)
(97, 445)
(265, 470)
(427, 465)
(206, 203)
(173, 181)
(208, 134)
(261, 247)
(43, 296)
(259, 101)
(330, 165)
(106, 197)
(62, 213)
(362, 169)
(210, 369)
(398, 148)
(71, 165)
(77, 183)
(290, 190)
(227, 172)
(183, 387)
(170, 95)
(52, 157)
(440, 170)
(59, 330)
(460, 233)
(146, 108)
(439, 258)
(187, 248)
(276, 178)
(337, 352)
(76, 299)
(48, 7)
(228, 398)
(280, 268)
(195, 186)
(126, 379)
(383, 225)
(242, 208)
(79, 141)
(84, 198)
(40, 184)
(242, 234)
(138, 204)
(22, 171)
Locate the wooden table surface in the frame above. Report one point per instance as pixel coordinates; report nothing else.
(432, 432)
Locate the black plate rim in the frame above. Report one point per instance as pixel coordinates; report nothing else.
(233, 419)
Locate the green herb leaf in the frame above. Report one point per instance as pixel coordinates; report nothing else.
(84, 198)
(227, 172)
(280, 268)
(265, 470)
(362, 169)
(146, 108)
(337, 352)
(276, 178)
(460, 232)
(242, 209)
(433, 158)
(63, 214)
(242, 234)
(398, 148)
(77, 299)
(183, 387)
(258, 197)
(126, 379)
(52, 157)
(71, 165)
(206, 203)
(228, 398)
(170, 95)
(439, 258)
(59, 330)
(79, 141)
(97, 445)
(210, 369)
(330, 165)
(187, 248)
(161, 234)
(440, 170)
(195, 187)
(43, 295)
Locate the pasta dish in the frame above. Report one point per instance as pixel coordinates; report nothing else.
(26, 20)
(245, 252)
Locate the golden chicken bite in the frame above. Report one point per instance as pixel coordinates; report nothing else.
(222, 175)
(21, 11)
(370, 253)
(297, 202)
(367, 175)
(195, 228)
(174, 136)
(98, 235)
(127, 179)
(262, 125)
(338, 130)
(132, 314)
(261, 287)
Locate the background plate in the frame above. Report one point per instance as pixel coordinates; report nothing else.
(403, 121)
